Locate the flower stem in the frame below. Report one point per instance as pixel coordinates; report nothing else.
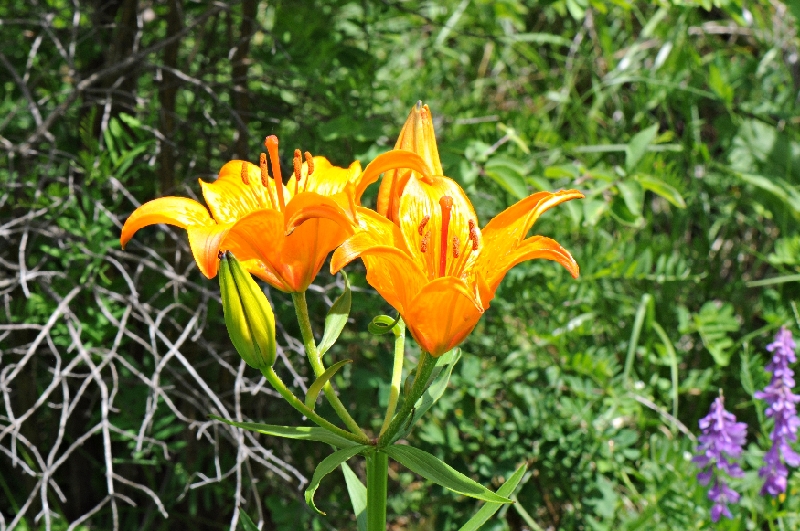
(397, 374)
(377, 482)
(301, 309)
(424, 370)
(276, 382)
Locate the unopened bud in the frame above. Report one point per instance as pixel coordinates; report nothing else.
(248, 314)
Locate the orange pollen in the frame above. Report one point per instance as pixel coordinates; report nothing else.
(446, 202)
(271, 143)
(298, 165)
(422, 224)
(425, 241)
(473, 234)
(262, 163)
(456, 245)
(244, 174)
(310, 162)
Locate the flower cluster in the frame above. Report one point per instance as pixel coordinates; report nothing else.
(782, 409)
(721, 441)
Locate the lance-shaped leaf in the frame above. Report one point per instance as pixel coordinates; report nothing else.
(358, 496)
(336, 318)
(303, 433)
(432, 469)
(247, 522)
(445, 366)
(327, 466)
(319, 383)
(489, 508)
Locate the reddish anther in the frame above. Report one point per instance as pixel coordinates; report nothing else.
(425, 242)
(422, 224)
(446, 203)
(297, 163)
(244, 174)
(271, 143)
(310, 162)
(473, 234)
(456, 247)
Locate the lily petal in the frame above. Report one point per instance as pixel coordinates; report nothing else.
(391, 160)
(178, 211)
(394, 275)
(327, 179)
(442, 314)
(205, 245)
(230, 199)
(495, 265)
(339, 208)
(260, 236)
(304, 251)
(375, 231)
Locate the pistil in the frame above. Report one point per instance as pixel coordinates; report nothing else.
(271, 143)
(446, 203)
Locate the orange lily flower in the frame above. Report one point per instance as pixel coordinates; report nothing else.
(436, 267)
(248, 210)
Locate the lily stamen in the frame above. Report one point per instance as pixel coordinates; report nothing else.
(456, 245)
(298, 169)
(422, 224)
(425, 241)
(473, 234)
(244, 174)
(446, 202)
(310, 164)
(262, 164)
(271, 143)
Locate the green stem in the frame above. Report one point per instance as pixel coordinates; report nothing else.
(276, 382)
(301, 309)
(424, 370)
(397, 373)
(377, 482)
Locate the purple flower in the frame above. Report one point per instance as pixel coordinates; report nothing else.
(721, 441)
(780, 407)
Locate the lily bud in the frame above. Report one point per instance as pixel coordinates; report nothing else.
(248, 314)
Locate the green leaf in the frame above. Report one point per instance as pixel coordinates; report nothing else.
(488, 510)
(383, 324)
(637, 147)
(633, 195)
(714, 323)
(660, 188)
(328, 465)
(358, 496)
(441, 473)
(445, 366)
(336, 319)
(509, 175)
(247, 523)
(319, 383)
(303, 433)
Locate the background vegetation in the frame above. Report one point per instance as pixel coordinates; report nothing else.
(677, 119)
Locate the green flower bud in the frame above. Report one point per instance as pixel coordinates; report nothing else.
(248, 314)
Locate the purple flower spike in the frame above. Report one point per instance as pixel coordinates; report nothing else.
(721, 441)
(780, 407)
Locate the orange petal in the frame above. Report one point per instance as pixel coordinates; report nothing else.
(391, 160)
(205, 245)
(304, 251)
(495, 265)
(394, 275)
(418, 137)
(375, 231)
(339, 208)
(327, 179)
(421, 200)
(259, 236)
(442, 315)
(179, 211)
(230, 199)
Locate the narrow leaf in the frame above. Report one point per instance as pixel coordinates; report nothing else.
(319, 383)
(304, 433)
(441, 473)
(327, 466)
(489, 508)
(358, 496)
(247, 523)
(336, 319)
(637, 147)
(659, 187)
(445, 365)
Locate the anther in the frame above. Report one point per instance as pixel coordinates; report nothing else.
(262, 163)
(425, 242)
(244, 174)
(446, 203)
(298, 165)
(310, 162)
(422, 224)
(456, 245)
(271, 143)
